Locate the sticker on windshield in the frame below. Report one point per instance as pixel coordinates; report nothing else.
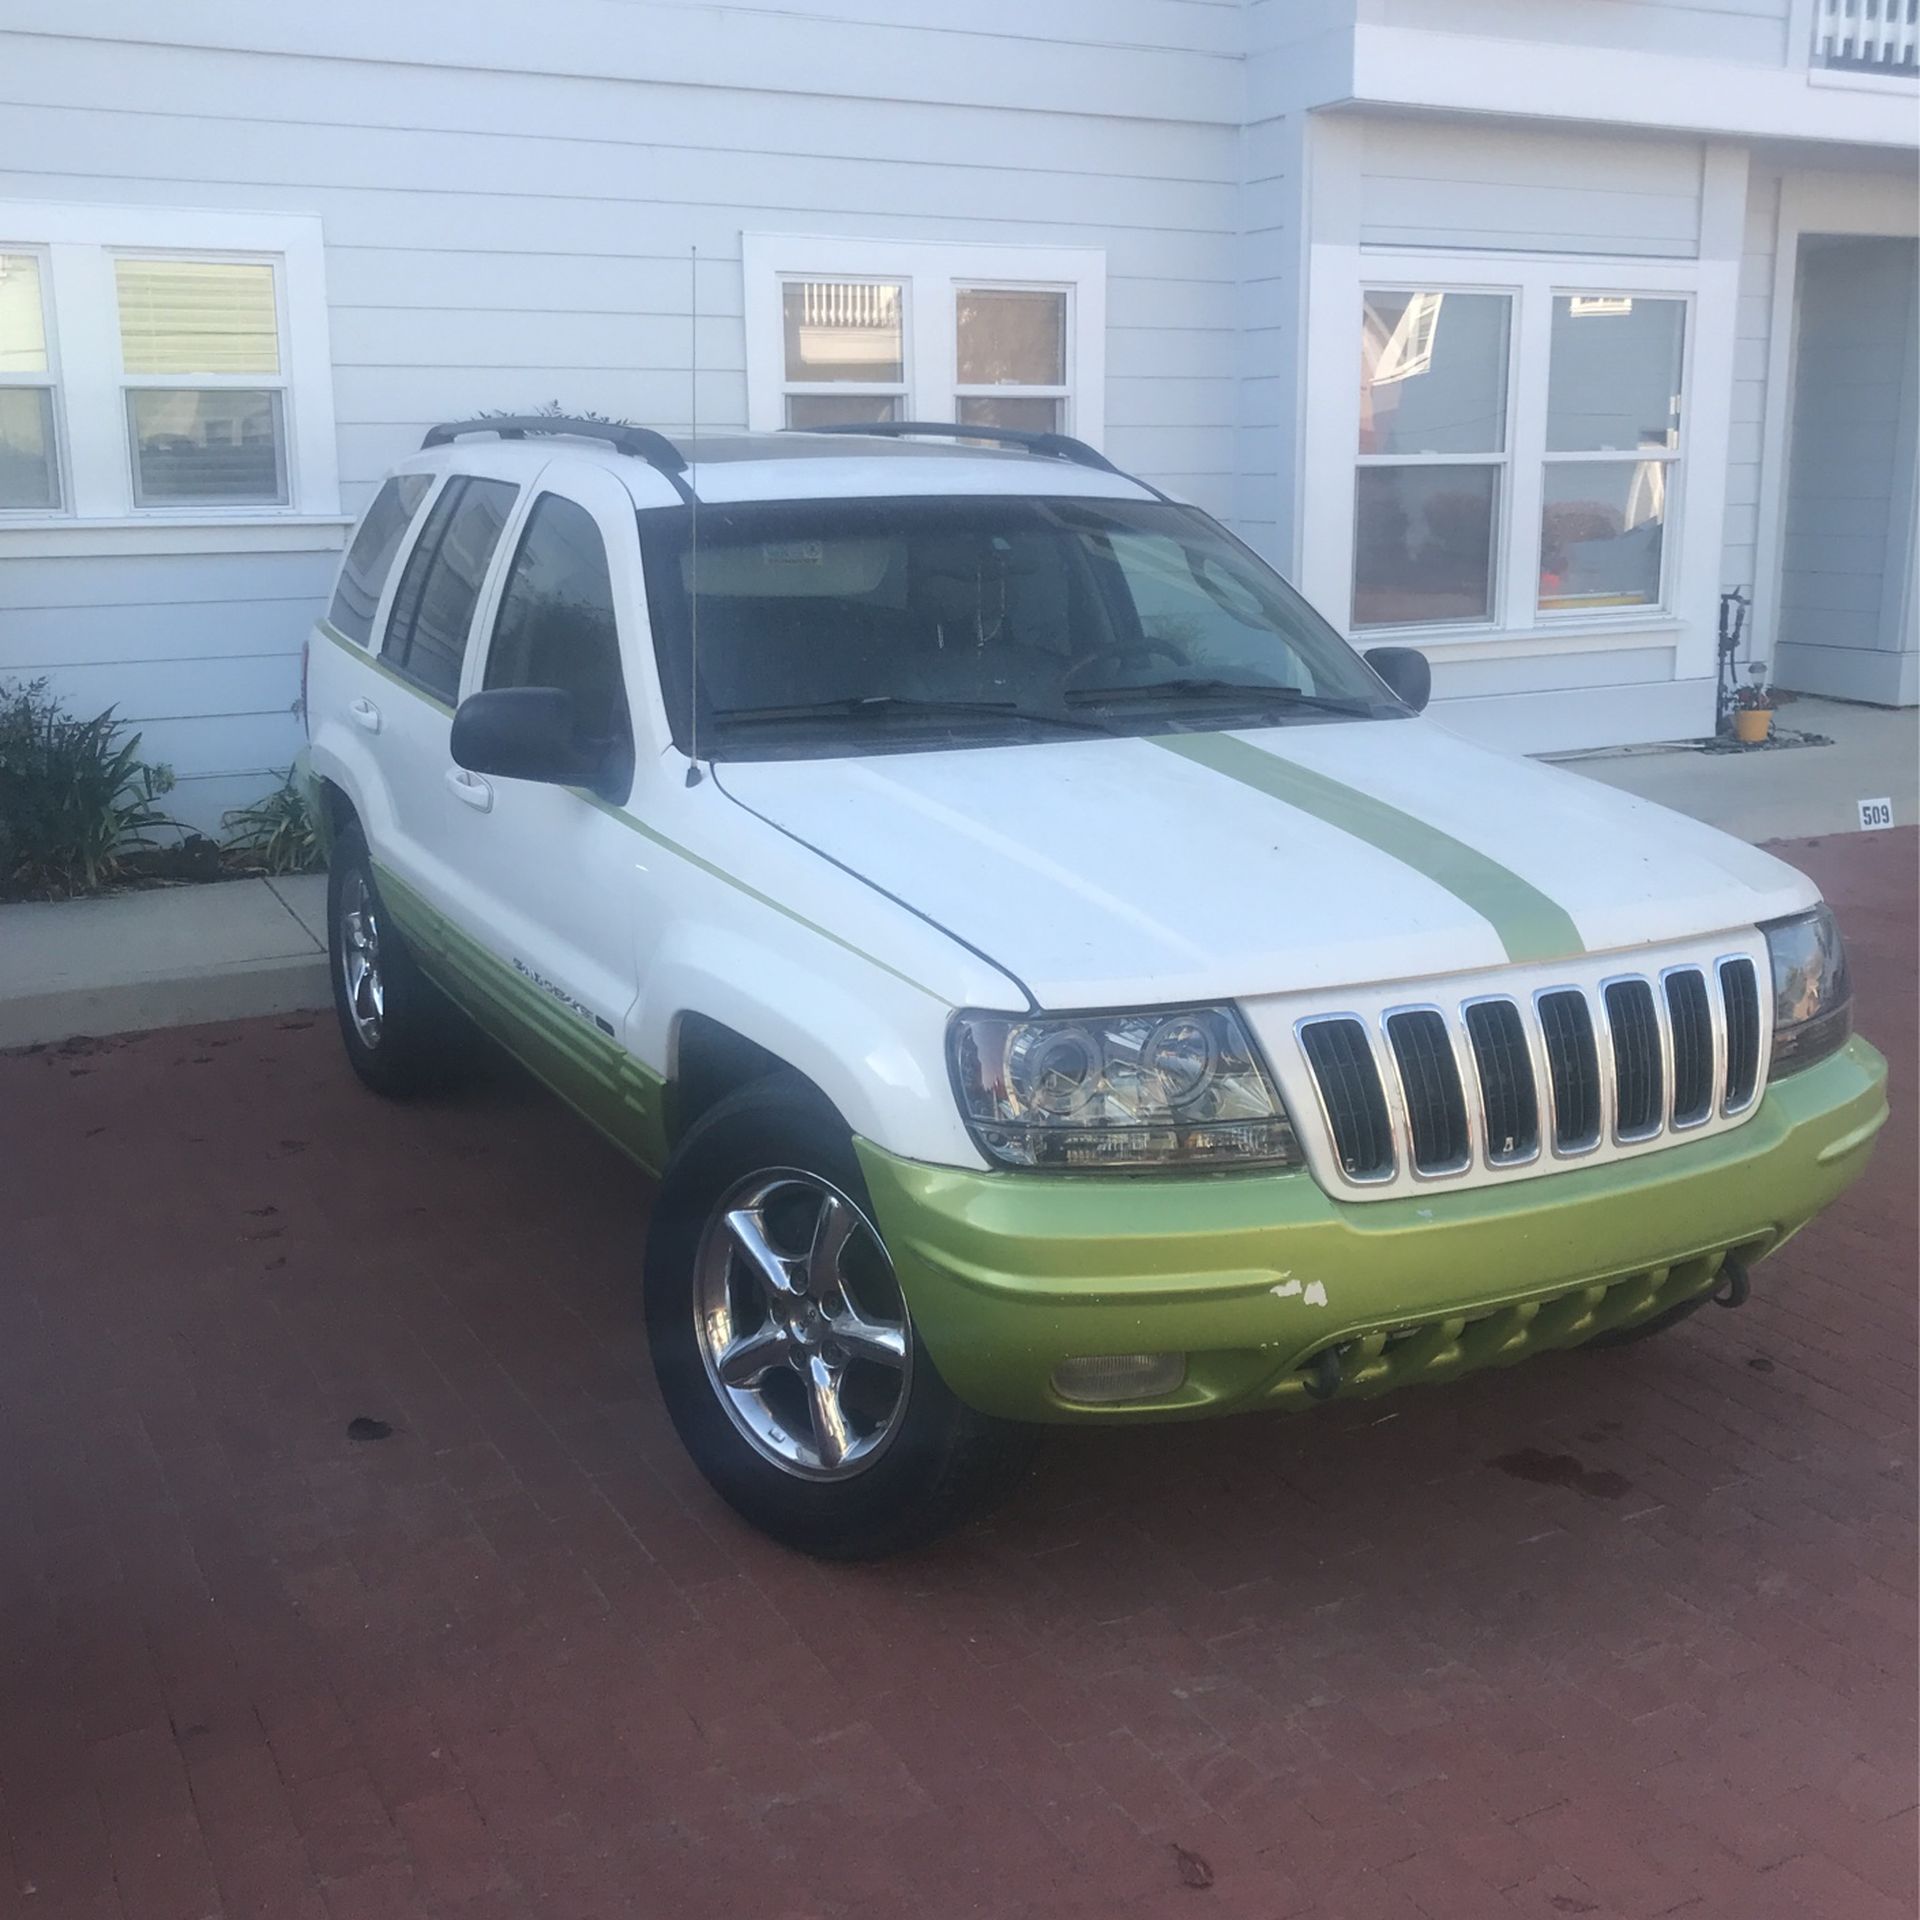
(791, 553)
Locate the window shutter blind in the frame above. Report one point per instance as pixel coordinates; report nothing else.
(197, 317)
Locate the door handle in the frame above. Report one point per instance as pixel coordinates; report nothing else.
(477, 793)
(364, 713)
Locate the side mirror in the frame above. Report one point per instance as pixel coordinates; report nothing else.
(527, 733)
(1406, 671)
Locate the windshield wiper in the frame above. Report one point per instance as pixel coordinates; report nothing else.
(859, 706)
(1240, 692)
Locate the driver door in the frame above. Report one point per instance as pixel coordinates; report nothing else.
(553, 870)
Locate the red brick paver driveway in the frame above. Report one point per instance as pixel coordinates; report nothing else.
(512, 1660)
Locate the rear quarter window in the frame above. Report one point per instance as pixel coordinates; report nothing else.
(363, 576)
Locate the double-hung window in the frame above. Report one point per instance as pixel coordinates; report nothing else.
(1613, 444)
(845, 331)
(1518, 454)
(1433, 455)
(160, 366)
(30, 478)
(202, 367)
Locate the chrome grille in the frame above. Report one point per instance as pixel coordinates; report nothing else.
(1496, 1079)
(1509, 1107)
(1430, 1090)
(1639, 1079)
(1690, 1022)
(1341, 1056)
(1740, 989)
(1573, 1068)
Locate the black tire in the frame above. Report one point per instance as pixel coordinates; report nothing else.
(415, 1046)
(939, 1463)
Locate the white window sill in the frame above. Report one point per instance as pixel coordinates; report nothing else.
(1851, 80)
(1572, 634)
(186, 533)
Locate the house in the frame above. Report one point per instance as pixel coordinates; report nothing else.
(1516, 332)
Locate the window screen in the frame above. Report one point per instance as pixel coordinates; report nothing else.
(433, 609)
(363, 577)
(557, 626)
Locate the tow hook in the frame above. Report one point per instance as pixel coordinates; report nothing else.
(1734, 1286)
(1323, 1374)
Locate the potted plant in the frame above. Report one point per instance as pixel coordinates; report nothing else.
(1753, 707)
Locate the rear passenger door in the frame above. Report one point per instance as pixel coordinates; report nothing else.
(425, 650)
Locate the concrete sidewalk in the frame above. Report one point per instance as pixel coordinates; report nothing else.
(163, 958)
(1781, 792)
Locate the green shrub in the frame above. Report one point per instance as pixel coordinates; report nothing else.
(75, 799)
(276, 833)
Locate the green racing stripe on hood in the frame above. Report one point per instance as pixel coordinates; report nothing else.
(1530, 925)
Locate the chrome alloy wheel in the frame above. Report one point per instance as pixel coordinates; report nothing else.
(801, 1324)
(360, 957)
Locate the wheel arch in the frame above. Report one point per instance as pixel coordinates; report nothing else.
(717, 1010)
(712, 1060)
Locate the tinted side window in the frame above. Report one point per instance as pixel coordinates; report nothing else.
(557, 625)
(363, 577)
(427, 635)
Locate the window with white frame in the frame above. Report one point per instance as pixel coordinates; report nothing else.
(1518, 453)
(844, 331)
(29, 445)
(158, 364)
(200, 361)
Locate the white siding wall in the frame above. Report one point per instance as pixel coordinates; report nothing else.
(199, 651)
(1753, 32)
(1430, 183)
(515, 230)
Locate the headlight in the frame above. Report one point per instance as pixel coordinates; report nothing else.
(1812, 991)
(1181, 1086)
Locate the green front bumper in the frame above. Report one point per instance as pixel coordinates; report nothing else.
(1252, 1276)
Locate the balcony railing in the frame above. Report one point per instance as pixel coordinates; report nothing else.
(1867, 36)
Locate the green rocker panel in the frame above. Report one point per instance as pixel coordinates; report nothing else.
(588, 1069)
(1253, 1276)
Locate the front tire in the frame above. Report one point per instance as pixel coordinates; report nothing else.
(397, 1028)
(784, 1347)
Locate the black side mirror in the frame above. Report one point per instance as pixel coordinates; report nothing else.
(1406, 671)
(529, 733)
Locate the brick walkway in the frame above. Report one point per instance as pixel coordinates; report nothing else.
(513, 1661)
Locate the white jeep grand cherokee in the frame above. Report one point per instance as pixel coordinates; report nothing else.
(1052, 976)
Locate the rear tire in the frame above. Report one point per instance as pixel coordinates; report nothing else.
(785, 1351)
(400, 1032)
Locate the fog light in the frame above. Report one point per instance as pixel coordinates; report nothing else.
(1099, 1378)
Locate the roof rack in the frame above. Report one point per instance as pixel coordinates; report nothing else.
(1058, 446)
(642, 442)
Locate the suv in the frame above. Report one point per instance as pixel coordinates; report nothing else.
(1053, 978)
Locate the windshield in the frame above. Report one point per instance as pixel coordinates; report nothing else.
(940, 622)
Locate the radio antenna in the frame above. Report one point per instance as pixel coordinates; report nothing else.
(693, 514)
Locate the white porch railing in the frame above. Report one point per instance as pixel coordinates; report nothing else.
(1867, 36)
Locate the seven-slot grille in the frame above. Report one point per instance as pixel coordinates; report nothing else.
(1633, 1058)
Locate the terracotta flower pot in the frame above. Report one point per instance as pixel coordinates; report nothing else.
(1751, 725)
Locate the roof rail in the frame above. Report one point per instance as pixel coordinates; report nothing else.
(642, 442)
(1058, 446)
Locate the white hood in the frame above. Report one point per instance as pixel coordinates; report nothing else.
(1105, 872)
